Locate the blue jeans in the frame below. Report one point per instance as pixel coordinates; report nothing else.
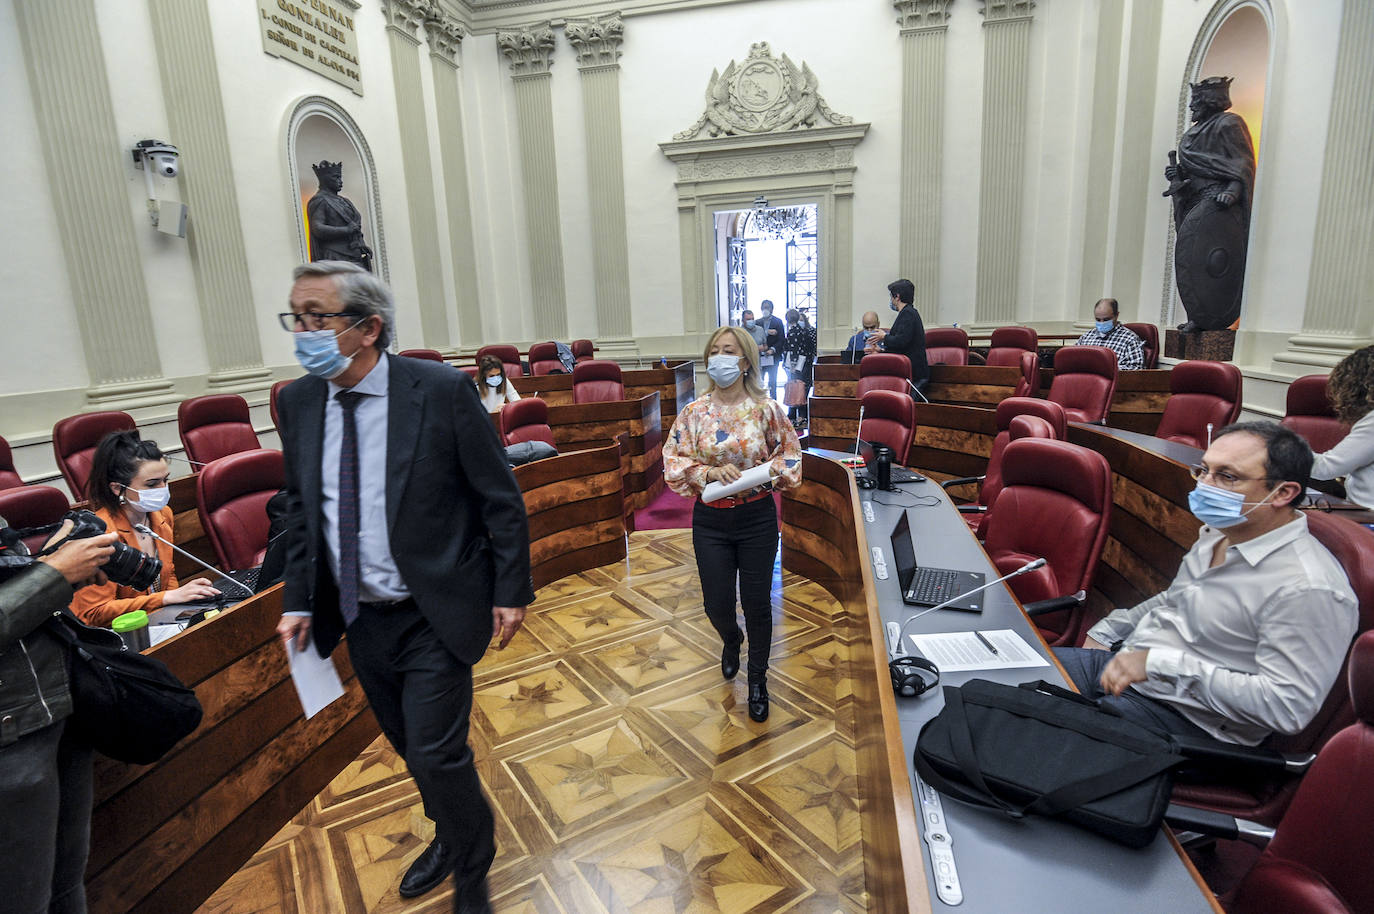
(1085, 666)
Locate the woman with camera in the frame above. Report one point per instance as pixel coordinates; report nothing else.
(128, 487)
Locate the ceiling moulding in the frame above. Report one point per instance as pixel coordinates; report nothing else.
(487, 16)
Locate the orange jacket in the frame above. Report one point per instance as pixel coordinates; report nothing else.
(100, 604)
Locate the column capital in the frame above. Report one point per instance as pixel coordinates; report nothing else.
(922, 15)
(445, 36)
(1006, 10)
(596, 40)
(405, 16)
(530, 49)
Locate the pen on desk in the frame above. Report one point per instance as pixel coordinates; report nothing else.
(986, 643)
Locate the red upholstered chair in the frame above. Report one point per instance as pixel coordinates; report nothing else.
(1055, 503)
(544, 359)
(74, 440)
(1201, 393)
(231, 498)
(1309, 413)
(1084, 381)
(1264, 799)
(1009, 411)
(890, 419)
(582, 350)
(1024, 338)
(277, 388)
(509, 356)
(429, 355)
(947, 346)
(470, 371)
(884, 371)
(526, 420)
(214, 426)
(9, 476)
(1318, 859)
(33, 506)
(1149, 336)
(1028, 385)
(597, 381)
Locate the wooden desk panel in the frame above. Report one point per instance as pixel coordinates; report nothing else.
(187, 531)
(586, 425)
(833, 423)
(676, 387)
(576, 508)
(952, 442)
(1138, 404)
(954, 385)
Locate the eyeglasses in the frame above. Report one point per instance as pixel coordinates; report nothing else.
(1222, 478)
(310, 320)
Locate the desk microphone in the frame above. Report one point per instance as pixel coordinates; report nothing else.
(194, 463)
(148, 531)
(1024, 569)
(917, 391)
(858, 436)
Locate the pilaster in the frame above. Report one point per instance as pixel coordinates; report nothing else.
(195, 116)
(1339, 316)
(84, 154)
(530, 52)
(597, 42)
(923, 92)
(445, 37)
(403, 19)
(1006, 63)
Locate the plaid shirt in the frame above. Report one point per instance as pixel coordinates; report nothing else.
(1130, 351)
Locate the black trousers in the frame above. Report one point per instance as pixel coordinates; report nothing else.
(738, 545)
(422, 696)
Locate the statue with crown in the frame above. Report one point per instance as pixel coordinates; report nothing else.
(336, 226)
(1211, 180)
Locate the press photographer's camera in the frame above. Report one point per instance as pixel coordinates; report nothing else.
(128, 566)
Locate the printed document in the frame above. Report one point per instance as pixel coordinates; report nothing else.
(317, 681)
(957, 652)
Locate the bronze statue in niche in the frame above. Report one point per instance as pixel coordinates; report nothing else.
(336, 226)
(1211, 180)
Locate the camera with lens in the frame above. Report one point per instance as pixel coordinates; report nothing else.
(128, 566)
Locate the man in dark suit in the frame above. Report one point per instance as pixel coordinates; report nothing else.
(908, 335)
(407, 529)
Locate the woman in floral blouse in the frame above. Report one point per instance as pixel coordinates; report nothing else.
(733, 427)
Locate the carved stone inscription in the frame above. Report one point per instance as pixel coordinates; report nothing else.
(315, 34)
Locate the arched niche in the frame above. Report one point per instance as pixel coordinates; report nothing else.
(317, 128)
(1237, 39)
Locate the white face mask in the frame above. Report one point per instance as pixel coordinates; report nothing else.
(494, 381)
(149, 500)
(723, 369)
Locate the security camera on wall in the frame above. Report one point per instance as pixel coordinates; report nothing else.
(156, 157)
(162, 158)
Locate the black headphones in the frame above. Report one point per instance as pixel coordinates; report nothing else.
(912, 675)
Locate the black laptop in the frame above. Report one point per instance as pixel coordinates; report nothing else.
(899, 473)
(932, 586)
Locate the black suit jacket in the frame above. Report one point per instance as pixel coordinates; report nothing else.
(455, 516)
(908, 337)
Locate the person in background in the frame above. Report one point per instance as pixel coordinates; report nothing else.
(734, 426)
(854, 349)
(775, 336)
(128, 486)
(1351, 388)
(495, 388)
(760, 334)
(1111, 333)
(45, 775)
(907, 336)
(799, 358)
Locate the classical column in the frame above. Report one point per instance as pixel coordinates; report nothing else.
(1102, 138)
(923, 122)
(1006, 71)
(402, 19)
(597, 43)
(445, 36)
(89, 170)
(1340, 288)
(530, 51)
(230, 323)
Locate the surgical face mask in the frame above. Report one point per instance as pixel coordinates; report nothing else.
(749, 325)
(1105, 327)
(494, 381)
(149, 500)
(1221, 508)
(724, 370)
(895, 306)
(318, 352)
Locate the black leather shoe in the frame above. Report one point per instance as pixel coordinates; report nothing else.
(472, 900)
(729, 661)
(433, 866)
(758, 702)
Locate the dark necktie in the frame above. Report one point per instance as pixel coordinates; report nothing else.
(348, 507)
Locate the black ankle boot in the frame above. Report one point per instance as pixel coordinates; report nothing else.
(729, 661)
(758, 701)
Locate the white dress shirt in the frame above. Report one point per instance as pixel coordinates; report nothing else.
(1353, 458)
(1251, 646)
(379, 580)
(493, 399)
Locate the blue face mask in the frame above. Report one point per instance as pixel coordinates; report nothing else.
(724, 370)
(749, 325)
(1220, 508)
(318, 352)
(1105, 327)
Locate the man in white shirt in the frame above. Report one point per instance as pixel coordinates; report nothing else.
(1251, 634)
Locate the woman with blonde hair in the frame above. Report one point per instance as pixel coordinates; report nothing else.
(1351, 388)
(734, 426)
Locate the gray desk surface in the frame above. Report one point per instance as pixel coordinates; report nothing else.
(1035, 864)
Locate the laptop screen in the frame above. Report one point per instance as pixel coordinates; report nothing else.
(903, 552)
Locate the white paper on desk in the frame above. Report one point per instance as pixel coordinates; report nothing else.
(751, 478)
(957, 652)
(316, 679)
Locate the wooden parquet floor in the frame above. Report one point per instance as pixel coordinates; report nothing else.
(624, 771)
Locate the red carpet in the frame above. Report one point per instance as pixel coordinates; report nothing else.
(671, 511)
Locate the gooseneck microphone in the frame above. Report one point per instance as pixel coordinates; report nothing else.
(916, 390)
(859, 435)
(184, 459)
(1024, 569)
(148, 531)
